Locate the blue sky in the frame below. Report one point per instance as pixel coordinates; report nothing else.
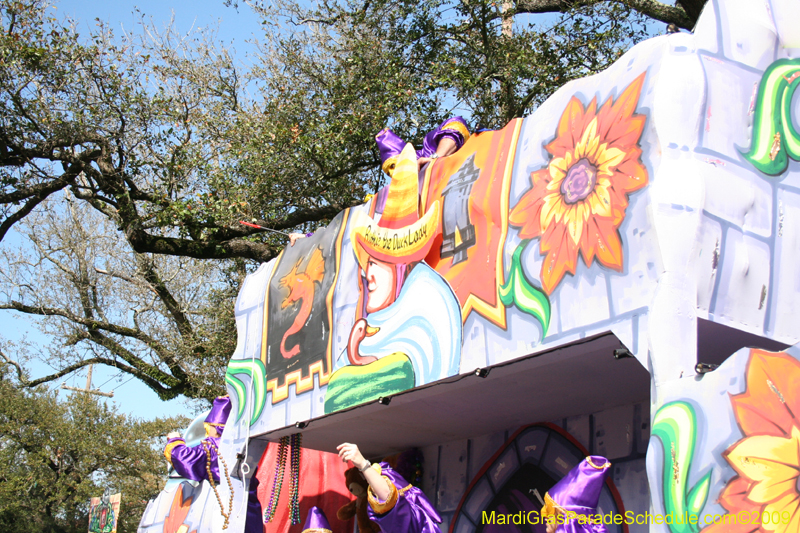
(235, 27)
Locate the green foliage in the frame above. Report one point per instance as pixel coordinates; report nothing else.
(55, 454)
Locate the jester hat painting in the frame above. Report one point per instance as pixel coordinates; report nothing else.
(401, 236)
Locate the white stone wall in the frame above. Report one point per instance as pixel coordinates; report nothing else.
(620, 434)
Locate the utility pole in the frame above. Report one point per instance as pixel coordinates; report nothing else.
(88, 388)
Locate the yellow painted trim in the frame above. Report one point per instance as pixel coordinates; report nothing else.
(389, 165)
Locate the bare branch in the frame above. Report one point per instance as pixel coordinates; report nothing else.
(17, 366)
(89, 323)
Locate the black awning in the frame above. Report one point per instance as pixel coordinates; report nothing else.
(579, 378)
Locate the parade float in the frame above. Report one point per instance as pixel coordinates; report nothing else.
(613, 275)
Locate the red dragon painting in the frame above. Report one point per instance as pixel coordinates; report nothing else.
(301, 287)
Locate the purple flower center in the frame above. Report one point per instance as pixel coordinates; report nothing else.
(579, 181)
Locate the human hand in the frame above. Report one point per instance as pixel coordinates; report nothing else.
(294, 236)
(422, 161)
(349, 452)
(173, 435)
(551, 527)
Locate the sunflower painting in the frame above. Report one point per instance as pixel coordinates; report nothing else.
(577, 203)
(764, 496)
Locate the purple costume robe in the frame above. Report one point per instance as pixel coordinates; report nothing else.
(390, 145)
(407, 510)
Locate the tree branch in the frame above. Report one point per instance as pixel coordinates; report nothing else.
(88, 323)
(651, 8)
(20, 371)
(227, 243)
(160, 288)
(61, 373)
(150, 375)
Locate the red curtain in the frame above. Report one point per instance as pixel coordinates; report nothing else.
(321, 484)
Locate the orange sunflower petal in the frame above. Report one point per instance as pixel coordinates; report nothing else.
(631, 175)
(734, 496)
(602, 240)
(771, 403)
(525, 215)
(626, 133)
(570, 121)
(589, 115)
(562, 256)
(618, 125)
(625, 105)
(771, 462)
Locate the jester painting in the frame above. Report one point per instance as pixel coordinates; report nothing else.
(407, 330)
(102, 518)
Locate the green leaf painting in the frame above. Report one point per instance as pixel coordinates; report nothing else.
(518, 291)
(253, 368)
(775, 138)
(676, 427)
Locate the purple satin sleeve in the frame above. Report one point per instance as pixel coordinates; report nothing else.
(191, 463)
(432, 139)
(575, 527)
(413, 512)
(405, 517)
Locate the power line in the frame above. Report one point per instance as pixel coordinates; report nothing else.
(127, 380)
(116, 376)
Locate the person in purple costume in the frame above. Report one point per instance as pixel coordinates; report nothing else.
(195, 462)
(445, 140)
(395, 505)
(570, 505)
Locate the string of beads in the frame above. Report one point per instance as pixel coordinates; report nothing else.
(207, 447)
(294, 502)
(277, 480)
